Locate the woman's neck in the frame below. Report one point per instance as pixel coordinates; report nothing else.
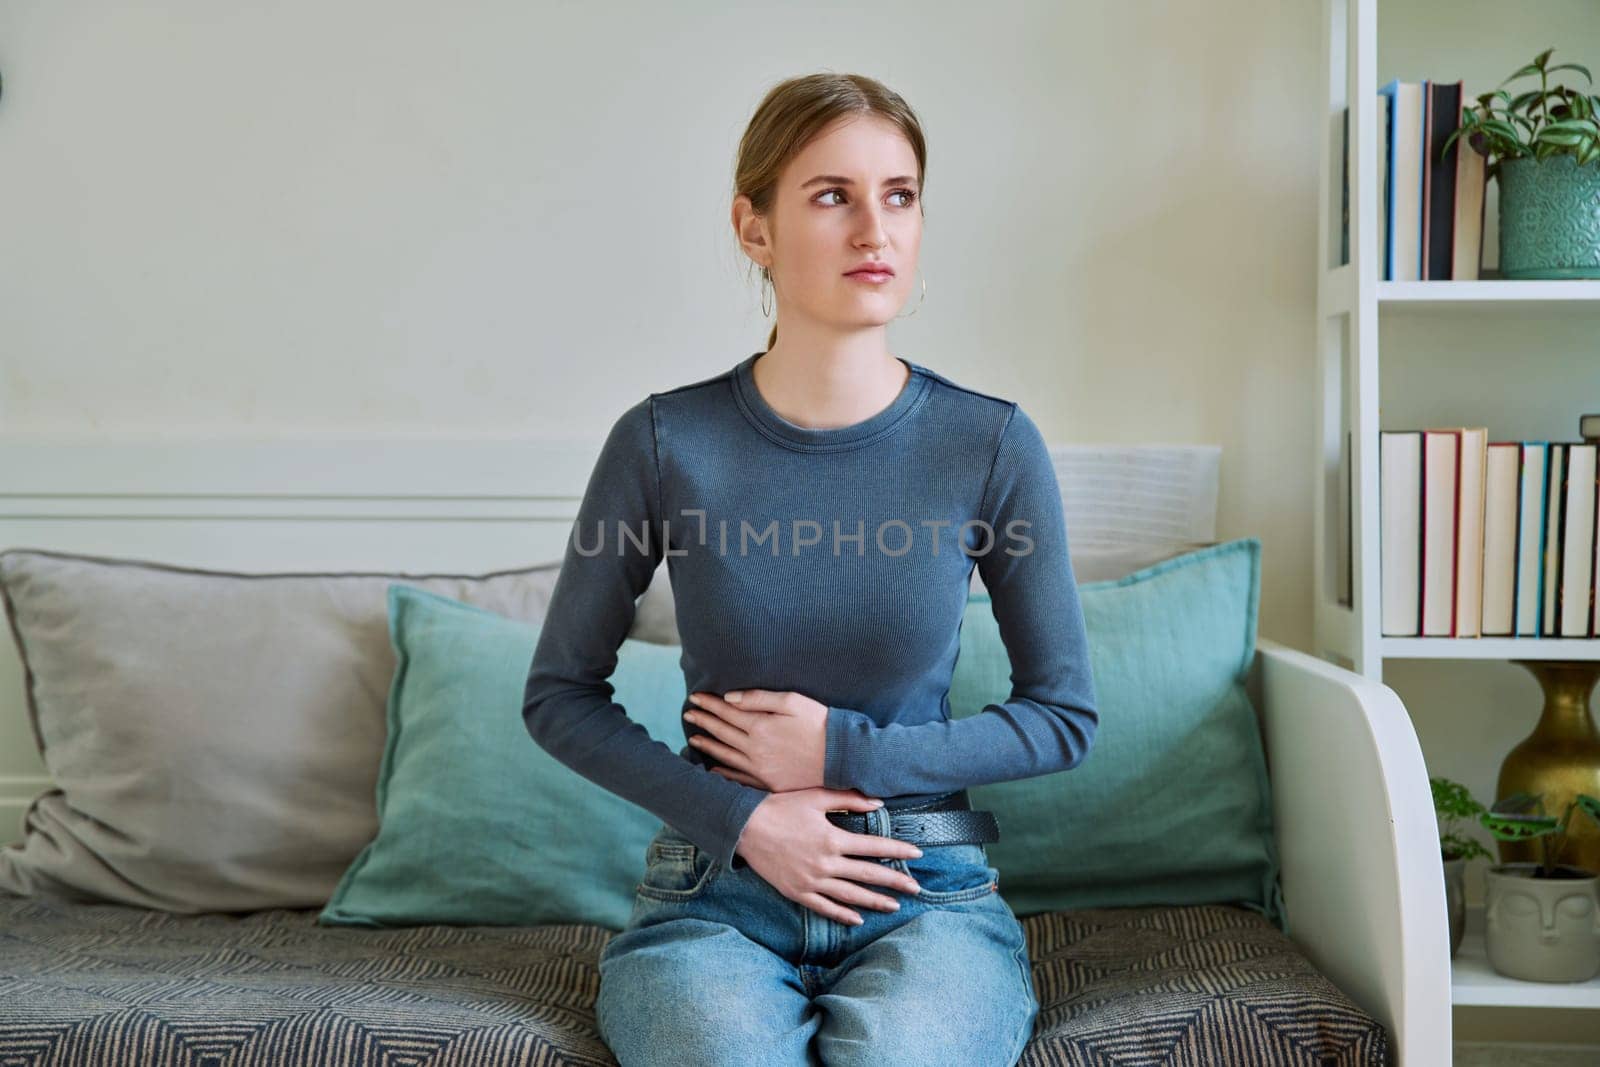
(823, 391)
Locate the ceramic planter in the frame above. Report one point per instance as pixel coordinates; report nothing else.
(1543, 929)
(1549, 218)
(1455, 897)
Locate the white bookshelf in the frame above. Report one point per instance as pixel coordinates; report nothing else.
(1353, 302)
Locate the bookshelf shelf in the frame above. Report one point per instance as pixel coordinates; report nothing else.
(1473, 981)
(1500, 648)
(1495, 294)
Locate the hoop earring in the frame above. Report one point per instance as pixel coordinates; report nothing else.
(920, 301)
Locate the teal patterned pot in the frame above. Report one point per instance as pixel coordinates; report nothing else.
(1549, 218)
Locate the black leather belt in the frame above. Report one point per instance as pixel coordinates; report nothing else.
(948, 820)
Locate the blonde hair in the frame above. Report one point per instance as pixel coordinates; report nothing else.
(795, 111)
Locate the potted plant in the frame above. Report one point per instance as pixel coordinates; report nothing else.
(1453, 803)
(1542, 920)
(1543, 145)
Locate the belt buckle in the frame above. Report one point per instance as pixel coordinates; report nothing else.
(848, 814)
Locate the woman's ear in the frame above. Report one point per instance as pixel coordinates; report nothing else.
(751, 230)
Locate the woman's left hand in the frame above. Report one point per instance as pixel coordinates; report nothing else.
(771, 740)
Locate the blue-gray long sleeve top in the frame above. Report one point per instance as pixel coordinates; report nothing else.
(832, 562)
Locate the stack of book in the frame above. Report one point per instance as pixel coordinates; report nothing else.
(1430, 213)
(1483, 538)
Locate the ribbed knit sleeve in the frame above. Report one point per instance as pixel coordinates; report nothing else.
(567, 703)
(1048, 722)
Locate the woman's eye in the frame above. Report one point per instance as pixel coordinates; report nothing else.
(907, 193)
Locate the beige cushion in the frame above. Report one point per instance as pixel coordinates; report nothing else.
(214, 737)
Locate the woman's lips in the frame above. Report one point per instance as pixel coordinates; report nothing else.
(873, 277)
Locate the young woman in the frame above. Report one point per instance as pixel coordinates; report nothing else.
(819, 890)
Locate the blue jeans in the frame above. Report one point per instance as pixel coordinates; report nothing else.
(716, 967)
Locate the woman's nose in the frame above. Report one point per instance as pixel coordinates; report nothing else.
(871, 230)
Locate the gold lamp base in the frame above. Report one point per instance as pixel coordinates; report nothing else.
(1560, 759)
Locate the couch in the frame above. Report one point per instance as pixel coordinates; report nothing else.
(1363, 977)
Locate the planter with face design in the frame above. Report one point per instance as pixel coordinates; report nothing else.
(1543, 929)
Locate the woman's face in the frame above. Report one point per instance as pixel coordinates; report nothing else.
(849, 197)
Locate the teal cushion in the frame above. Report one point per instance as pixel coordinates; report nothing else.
(1171, 805)
(477, 823)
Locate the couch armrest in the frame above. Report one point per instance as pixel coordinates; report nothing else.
(1358, 843)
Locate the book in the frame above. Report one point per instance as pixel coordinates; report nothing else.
(1405, 180)
(1441, 473)
(1533, 500)
(1471, 459)
(1551, 553)
(1592, 619)
(1344, 187)
(1575, 582)
(1346, 572)
(1442, 114)
(1466, 252)
(1400, 531)
(1385, 131)
(1501, 497)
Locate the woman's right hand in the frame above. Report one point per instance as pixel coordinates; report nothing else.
(789, 841)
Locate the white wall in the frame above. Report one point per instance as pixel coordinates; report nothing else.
(512, 217)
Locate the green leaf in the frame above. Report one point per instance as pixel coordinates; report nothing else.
(1518, 827)
(1579, 126)
(1522, 100)
(1564, 138)
(1579, 67)
(1519, 802)
(1452, 799)
(1502, 128)
(1531, 68)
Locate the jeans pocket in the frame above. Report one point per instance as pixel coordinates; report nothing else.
(676, 870)
(950, 874)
